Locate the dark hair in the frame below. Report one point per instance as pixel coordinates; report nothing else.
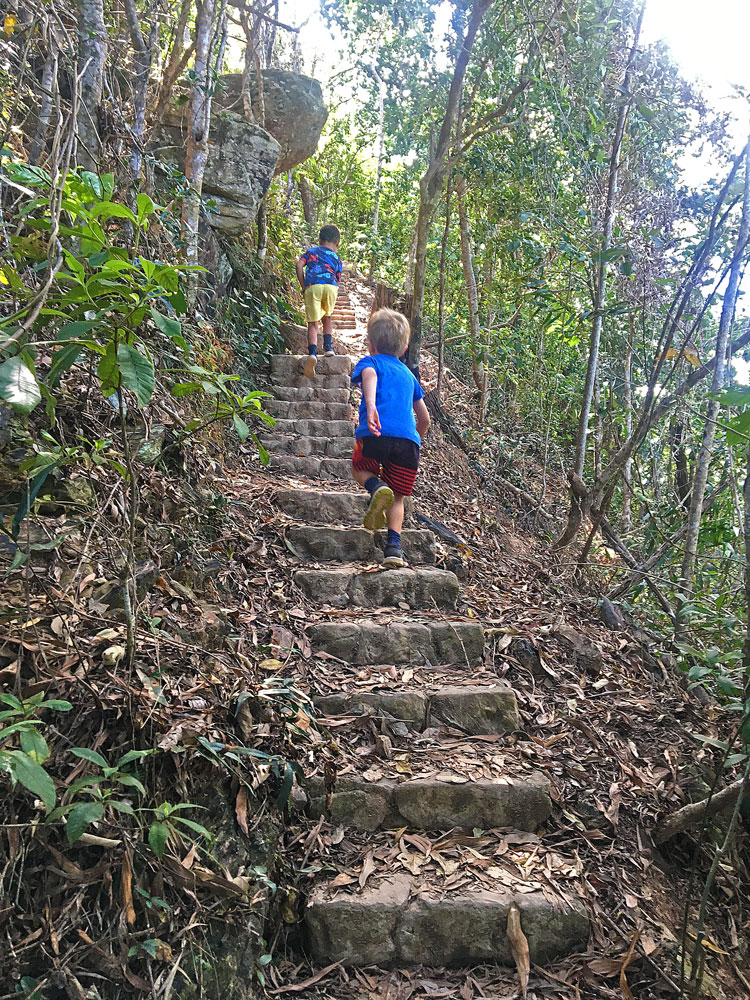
(329, 234)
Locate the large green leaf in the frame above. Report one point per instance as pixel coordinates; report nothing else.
(137, 372)
(34, 745)
(18, 385)
(158, 835)
(64, 358)
(111, 210)
(92, 755)
(80, 817)
(33, 777)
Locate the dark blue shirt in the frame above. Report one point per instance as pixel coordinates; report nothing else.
(395, 395)
(322, 266)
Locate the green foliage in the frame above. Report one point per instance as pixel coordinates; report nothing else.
(25, 765)
(168, 826)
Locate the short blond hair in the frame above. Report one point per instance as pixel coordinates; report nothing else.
(388, 332)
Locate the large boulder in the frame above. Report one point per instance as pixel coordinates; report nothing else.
(241, 164)
(294, 110)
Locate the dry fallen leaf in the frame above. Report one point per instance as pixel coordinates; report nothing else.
(127, 889)
(240, 809)
(519, 946)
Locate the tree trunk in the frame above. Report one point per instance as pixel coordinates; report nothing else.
(628, 406)
(431, 183)
(441, 299)
(600, 285)
(199, 121)
(307, 197)
(177, 61)
(472, 293)
(379, 171)
(92, 55)
(142, 52)
(49, 89)
(703, 462)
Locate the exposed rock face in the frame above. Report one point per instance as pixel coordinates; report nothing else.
(295, 111)
(241, 164)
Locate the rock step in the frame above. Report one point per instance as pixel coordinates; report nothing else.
(311, 409)
(310, 467)
(478, 711)
(385, 924)
(323, 544)
(301, 381)
(415, 643)
(344, 324)
(287, 365)
(434, 804)
(310, 391)
(349, 587)
(316, 428)
(297, 444)
(326, 507)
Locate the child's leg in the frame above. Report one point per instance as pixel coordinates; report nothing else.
(366, 472)
(328, 335)
(395, 515)
(313, 329)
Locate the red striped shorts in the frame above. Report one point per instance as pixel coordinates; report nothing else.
(395, 460)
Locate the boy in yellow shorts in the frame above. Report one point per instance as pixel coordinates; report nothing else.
(319, 273)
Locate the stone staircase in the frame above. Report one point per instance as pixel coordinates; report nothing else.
(403, 628)
(343, 314)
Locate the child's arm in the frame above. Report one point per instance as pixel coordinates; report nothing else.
(369, 386)
(300, 268)
(422, 415)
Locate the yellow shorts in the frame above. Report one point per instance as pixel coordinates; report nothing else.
(319, 301)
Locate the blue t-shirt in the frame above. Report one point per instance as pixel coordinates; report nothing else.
(396, 392)
(322, 266)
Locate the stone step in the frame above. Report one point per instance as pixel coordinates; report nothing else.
(310, 409)
(415, 643)
(349, 587)
(478, 711)
(344, 324)
(309, 467)
(309, 392)
(385, 923)
(327, 507)
(298, 444)
(324, 544)
(433, 803)
(301, 381)
(288, 365)
(317, 428)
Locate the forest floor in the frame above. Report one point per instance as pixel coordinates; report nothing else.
(612, 727)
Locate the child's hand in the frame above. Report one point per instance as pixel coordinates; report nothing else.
(373, 422)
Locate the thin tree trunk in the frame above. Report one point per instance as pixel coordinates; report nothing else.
(379, 170)
(307, 197)
(628, 406)
(49, 86)
(199, 120)
(431, 183)
(472, 294)
(746, 646)
(600, 286)
(441, 299)
(92, 55)
(703, 462)
(142, 52)
(177, 61)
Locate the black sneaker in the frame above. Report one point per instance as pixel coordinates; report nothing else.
(394, 557)
(380, 501)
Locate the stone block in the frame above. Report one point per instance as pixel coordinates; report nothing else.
(407, 706)
(431, 804)
(479, 711)
(327, 507)
(419, 588)
(357, 929)
(310, 392)
(364, 643)
(323, 544)
(385, 923)
(286, 365)
(317, 428)
(355, 802)
(301, 381)
(286, 410)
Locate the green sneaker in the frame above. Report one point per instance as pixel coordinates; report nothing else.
(380, 501)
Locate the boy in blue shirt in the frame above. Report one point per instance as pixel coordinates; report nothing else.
(319, 272)
(393, 419)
